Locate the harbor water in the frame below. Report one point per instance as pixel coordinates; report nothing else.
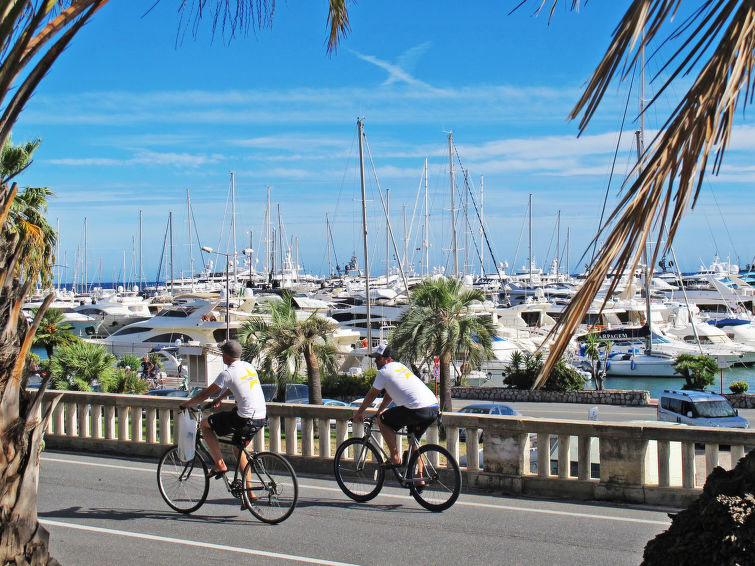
(656, 385)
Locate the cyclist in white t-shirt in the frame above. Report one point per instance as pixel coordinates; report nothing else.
(416, 406)
(239, 379)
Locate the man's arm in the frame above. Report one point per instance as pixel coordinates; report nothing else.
(384, 405)
(203, 395)
(368, 399)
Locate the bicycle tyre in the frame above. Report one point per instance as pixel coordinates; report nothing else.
(442, 486)
(359, 479)
(183, 485)
(276, 499)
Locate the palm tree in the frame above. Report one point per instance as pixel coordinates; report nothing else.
(715, 42)
(281, 344)
(53, 332)
(439, 323)
(80, 364)
(698, 371)
(592, 351)
(33, 35)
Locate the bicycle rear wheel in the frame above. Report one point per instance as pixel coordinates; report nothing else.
(183, 485)
(271, 488)
(434, 487)
(358, 470)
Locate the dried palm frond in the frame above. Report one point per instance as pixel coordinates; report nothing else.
(669, 182)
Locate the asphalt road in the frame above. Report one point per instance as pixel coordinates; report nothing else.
(102, 510)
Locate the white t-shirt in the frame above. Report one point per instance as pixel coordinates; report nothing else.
(405, 388)
(241, 378)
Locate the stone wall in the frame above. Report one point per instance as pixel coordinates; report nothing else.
(612, 397)
(741, 400)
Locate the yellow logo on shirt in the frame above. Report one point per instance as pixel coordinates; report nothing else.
(406, 372)
(251, 375)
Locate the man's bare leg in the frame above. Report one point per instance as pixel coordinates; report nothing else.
(211, 439)
(390, 440)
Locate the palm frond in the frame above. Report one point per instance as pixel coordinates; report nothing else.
(676, 161)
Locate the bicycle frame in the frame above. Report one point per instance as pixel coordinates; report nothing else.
(400, 473)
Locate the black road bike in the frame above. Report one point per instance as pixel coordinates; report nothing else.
(267, 485)
(430, 471)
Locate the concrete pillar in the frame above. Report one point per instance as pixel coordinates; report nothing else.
(307, 437)
(325, 448)
(688, 464)
(584, 466)
(291, 436)
(152, 425)
(564, 456)
(275, 434)
(664, 463)
(82, 410)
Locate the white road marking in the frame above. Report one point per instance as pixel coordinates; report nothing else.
(403, 497)
(240, 550)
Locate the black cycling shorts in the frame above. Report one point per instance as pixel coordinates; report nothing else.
(415, 420)
(228, 422)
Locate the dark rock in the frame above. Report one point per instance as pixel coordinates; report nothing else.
(718, 528)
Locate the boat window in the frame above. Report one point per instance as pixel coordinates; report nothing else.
(131, 330)
(219, 334)
(714, 409)
(169, 337)
(181, 312)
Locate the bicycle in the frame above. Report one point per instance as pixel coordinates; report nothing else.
(270, 495)
(360, 472)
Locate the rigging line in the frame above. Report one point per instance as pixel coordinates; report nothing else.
(479, 219)
(196, 234)
(162, 255)
(712, 236)
(388, 221)
(333, 244)
(610, 176)
(723, 222)
(468, 186)
(548, 251)
(414, 210)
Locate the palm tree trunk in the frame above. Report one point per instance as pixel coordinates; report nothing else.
(445, 382)
(313, 377)
(22, 539)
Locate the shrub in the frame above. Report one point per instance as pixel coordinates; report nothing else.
(524, 369)
(131, 361)
(122, 381)
(739, 387)
(697, 371)
(77, 365)
(342, 385)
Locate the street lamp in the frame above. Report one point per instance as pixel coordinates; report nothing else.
(228, 257)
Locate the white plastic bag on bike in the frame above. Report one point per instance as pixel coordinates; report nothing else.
(186, 435)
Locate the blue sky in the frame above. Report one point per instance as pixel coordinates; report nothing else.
(131, 118)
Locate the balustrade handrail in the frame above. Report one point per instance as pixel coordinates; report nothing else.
(142, 425)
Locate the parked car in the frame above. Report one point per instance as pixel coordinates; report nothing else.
(295, 392)
(485, 409)
(698, 408)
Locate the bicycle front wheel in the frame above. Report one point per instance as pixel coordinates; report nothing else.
(434, 477)
(358, 470)
(183, 485)
(271, 488)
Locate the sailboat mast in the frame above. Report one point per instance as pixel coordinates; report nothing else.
(530, 240)
(141, 272)
(425, 243)
(86, 274)
(466, 221)
(170, 224)
(454, 247)
(482, 226)
(233, 224)
(191, 249)
(360, 129)
(327, 243)
(558, 244)
(387, 235)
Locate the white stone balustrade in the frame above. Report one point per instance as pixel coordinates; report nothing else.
(644, 463)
